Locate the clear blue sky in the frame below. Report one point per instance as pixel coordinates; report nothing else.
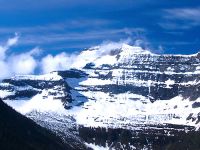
(169, 26)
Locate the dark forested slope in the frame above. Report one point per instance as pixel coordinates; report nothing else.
(20, 133)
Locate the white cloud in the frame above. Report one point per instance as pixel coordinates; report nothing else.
(5, 69)
(2, 52)
(107, 46)
(26, 63)
(12, 41)
(58, 32)
(61, 61)
(5, 72)
(192, 14)
(181, 18)
(23, 63)
(9, 43)
(35, 52)
(139, 42)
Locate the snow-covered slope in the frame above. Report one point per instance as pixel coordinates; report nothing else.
(124, 87)
(100, 56)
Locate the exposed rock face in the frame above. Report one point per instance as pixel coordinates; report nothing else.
(25, 87)
(157, 77)
(123, 87)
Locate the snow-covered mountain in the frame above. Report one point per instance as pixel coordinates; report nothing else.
(125, 87)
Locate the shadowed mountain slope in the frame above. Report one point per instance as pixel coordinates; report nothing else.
(20, 133)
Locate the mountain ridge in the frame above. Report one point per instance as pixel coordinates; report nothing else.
(115, 88)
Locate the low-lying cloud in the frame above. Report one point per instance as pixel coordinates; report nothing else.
(12, 64)
(62, 61)
(28, 62)
(22, 64)
(9, 43)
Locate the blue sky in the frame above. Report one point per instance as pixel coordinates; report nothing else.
(165, 26)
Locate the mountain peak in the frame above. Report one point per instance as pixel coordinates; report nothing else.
(134, 49)
(108, 53)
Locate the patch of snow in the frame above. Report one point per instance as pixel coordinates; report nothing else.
(169, 83)
(96, 147)
(170, 69)
(120, 110)
(111, 60)
(95, 81)
(37, 103)
(198, 68)
(5, 93)
(53, 76)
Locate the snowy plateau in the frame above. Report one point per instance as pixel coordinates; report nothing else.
(126, 88)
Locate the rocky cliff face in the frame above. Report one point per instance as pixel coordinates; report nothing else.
(125, 87)
(157, 77)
